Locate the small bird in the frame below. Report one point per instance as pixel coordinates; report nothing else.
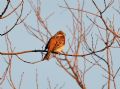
(55, 44)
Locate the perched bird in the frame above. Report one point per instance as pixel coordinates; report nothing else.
(55, 44)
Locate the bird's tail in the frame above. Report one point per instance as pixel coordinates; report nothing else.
(47, 55)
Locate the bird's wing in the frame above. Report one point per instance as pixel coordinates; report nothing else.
(51, 44)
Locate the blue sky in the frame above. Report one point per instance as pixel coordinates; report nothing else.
(49, 70)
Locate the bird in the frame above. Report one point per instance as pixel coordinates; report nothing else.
(55, 44)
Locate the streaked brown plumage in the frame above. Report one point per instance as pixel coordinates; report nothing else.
(55, 44)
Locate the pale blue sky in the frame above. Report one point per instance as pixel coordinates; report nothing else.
(21, 40)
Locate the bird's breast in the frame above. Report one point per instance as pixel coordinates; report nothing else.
(59, 49)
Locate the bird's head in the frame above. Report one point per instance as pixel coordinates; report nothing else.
(60, 33)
